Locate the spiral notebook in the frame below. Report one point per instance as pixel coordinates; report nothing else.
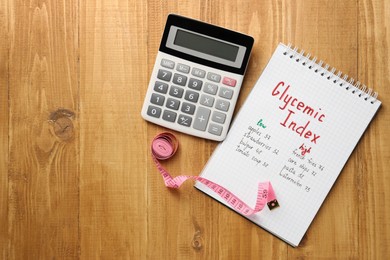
(297, 129)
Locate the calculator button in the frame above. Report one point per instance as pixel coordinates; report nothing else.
(160, 87)
(229, 82)
(201, 118)
(157, 99)
(195, 84)
(154, 111)
(210, 88)
(176, 91)
(173, 103)
(184, 120)
(198, 72)
(183, 68)
(167, 63)
(218, 117)
(164, 75)
(222, 105)
(206, 100)
(225, 93)
(169, 116)
(214, 77)
(188, 108)
(215, 129)
(179, 79)
(191, 96)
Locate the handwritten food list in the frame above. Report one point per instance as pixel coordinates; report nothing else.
(257, 144)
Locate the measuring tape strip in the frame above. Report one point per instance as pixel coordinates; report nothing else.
(165, 145)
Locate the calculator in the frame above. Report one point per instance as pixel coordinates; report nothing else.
(196, 78)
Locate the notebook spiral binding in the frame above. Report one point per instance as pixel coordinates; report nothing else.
(338, 78)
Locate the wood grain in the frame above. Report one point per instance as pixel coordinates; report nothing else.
(374, 156)
(113, 139)
(43, 139)
(4, 129)
(76, 177)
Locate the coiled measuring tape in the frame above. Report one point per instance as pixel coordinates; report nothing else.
(165, 145)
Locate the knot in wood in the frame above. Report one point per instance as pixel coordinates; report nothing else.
(62, 120)
(197, 241)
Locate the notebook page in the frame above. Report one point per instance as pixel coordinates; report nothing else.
(296, 129)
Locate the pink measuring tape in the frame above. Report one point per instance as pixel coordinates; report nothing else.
(165, 145)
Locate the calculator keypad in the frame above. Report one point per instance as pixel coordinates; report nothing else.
(191, 97)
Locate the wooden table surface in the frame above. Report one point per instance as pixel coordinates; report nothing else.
(77, 179)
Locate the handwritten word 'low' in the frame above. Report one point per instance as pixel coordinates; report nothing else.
(261, 123)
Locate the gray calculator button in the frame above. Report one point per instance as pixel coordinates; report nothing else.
(183, 68)
(198, 72)
(210, 88)
(206, 100)
(172, 103)
(201, 118)
(213, 77)
(176, 91)
(160, 87)
(169, 116)
(195, 84)
(179, 79)
(157, 99)
(191, 96)
(184, 120)
(215, 129)
(225, 93)
(154, 111)
(188, 108)
(164, 75)
(218, 117)
(222, 105)
(167, 63)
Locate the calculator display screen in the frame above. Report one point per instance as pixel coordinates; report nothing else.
(206, 45)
